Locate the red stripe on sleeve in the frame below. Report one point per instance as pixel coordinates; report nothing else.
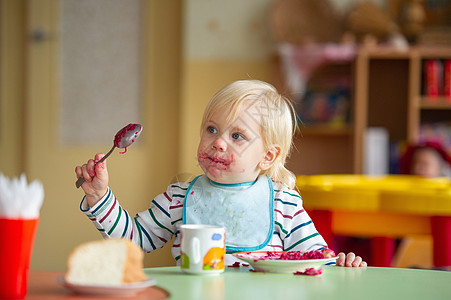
(167, 196)
(298, 212)
(175, 206)
(111, 209)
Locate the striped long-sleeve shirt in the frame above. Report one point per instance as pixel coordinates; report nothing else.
(154, 227)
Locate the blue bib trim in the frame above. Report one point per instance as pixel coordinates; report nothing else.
(249, 183)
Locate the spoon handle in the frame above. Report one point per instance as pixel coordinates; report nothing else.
(80, 180)
(106, 155)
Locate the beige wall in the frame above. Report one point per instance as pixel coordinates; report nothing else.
(12, 65)
(218, 49)
(174, 83)
(30, 106)
(192, 48)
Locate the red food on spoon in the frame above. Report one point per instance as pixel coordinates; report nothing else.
(123, 139)
(126, 136)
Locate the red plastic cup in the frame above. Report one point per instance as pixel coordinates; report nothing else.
(16, 244)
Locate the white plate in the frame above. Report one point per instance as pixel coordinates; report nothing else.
(280, 266)
(127, 289)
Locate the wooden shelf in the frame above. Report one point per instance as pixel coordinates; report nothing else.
(440, 102)
(433, 52)
(387, 93)
(382, 52)
(388, 52)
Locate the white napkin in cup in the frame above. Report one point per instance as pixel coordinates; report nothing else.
(19, 200)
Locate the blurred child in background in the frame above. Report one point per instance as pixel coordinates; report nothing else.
(428, 159)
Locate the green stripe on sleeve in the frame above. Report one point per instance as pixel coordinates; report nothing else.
(293, 195)
(175, 221)
(117, 220)
(281, 227)
(104, 206)
(302, 240)
(140, 233)
(177, 186)
(158, 223)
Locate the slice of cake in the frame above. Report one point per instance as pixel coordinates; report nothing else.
(106, 262)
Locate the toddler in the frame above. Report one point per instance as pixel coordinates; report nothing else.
(246, 136)
(428, 159)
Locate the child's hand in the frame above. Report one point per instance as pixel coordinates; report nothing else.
(96, 179)
(350, 260)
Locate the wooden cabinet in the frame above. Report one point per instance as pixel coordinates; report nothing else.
(387, 92)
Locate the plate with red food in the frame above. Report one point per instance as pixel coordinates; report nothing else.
(296, 262)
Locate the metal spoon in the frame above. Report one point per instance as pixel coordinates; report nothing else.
(123, 139)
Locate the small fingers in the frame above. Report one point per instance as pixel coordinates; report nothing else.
(99, 166)
(341, 259)
(350, 260)
(78, 171)
(350, 257)
(357, 261)
(98, 157)
(90, 168)
(81, 171)
(86, 171)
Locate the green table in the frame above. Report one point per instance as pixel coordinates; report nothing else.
(334, 283)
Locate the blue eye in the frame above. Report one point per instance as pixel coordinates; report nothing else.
(211, 129)
(237, 136)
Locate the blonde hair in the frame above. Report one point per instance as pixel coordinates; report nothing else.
(278, 119)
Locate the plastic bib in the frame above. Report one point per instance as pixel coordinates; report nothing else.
(246, 210)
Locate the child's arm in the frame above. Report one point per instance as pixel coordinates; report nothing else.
(298, 231)
(294, 225)
(150, 229)
(96, 179)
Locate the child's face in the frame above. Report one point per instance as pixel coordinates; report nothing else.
(231, 153)
(426, 163)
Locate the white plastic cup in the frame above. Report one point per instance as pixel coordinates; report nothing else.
(202, 249)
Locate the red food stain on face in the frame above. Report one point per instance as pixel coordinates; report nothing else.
(216, 160)
(214, 165)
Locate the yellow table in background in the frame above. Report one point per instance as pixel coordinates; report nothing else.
(381, 207)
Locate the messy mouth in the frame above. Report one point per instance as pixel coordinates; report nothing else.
(215, 160)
